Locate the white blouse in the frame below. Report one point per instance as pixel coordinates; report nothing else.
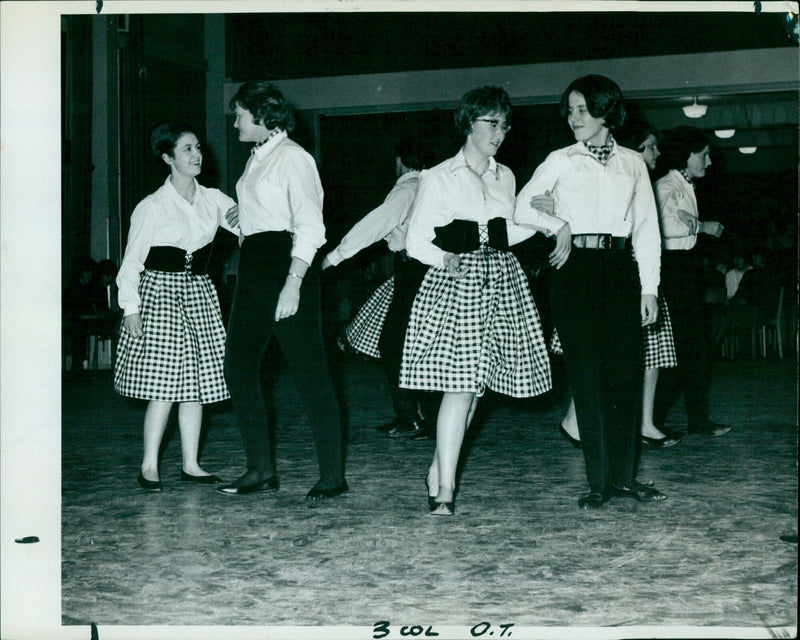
(673, 192)
(165, 218)
(615, 198)
(452, 191)
(280, 190)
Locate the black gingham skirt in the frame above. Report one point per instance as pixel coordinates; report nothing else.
(179, 358)
(480, 331)
(364, 331)
(658, 345)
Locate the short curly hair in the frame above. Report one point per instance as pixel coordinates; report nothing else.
(266, 104)
(603, 99)
(480, 102)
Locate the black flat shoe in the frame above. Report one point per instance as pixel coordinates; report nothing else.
(639, 492)
(210, 479)
(150, 485)
(591, 500)
(660, 443)
(264, 486)
(575, 443)
(442, 508)
(318, 493)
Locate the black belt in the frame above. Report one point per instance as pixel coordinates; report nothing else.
(173, 259)
(600, 241)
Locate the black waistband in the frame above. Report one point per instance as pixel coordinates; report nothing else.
(462, 236)
(173, 259)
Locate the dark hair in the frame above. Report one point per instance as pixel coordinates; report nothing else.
(165, 137)
(266, 104)
(480, 102)
(679, 143)
(410, 154)
(635, 134)
(603, 99)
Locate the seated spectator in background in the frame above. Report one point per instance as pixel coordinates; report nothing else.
(734, 276)
(83, 298)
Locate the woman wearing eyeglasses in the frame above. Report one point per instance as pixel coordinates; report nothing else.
(474, 323)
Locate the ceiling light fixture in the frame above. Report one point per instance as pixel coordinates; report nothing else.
(724, 133)
(747, 150)
(695, 110)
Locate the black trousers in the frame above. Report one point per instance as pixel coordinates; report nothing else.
(595, 300)
(263, 264)
(682, 287)
(408, 275)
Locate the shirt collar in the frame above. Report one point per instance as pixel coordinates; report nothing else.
(267, 147)
(173, 192)
(460, 160)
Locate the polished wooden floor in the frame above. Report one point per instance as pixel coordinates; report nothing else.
(517, 552)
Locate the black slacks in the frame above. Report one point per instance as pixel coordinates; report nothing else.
(408, 275)
(682, 287)
(595, 300)
(263, 264)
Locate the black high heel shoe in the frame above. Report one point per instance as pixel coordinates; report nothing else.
(432, 504)
(150, 485)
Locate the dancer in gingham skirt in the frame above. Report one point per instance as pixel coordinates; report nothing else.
(474, 323)
(172, 341)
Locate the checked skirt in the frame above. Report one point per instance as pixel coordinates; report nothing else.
(479, 331)
(179, 358)
(658, 345)
(364, 332)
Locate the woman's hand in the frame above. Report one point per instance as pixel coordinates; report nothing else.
(544, 203)
(452, 263)
(133, 324)
(232, 215)
(649, 309)
(712, 228)
(689, 220)
(559, 255)
(289, 299)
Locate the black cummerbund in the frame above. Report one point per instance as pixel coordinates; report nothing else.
(175, 259)
(461, 236)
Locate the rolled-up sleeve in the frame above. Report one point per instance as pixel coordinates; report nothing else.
(304, 193)
(139, 242)
(645, 234)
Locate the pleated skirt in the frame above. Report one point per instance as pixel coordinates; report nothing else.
(180, 356)
(658, 344)
(364, 331)
(476, 332)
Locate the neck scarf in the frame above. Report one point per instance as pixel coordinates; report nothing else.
(601, 153)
